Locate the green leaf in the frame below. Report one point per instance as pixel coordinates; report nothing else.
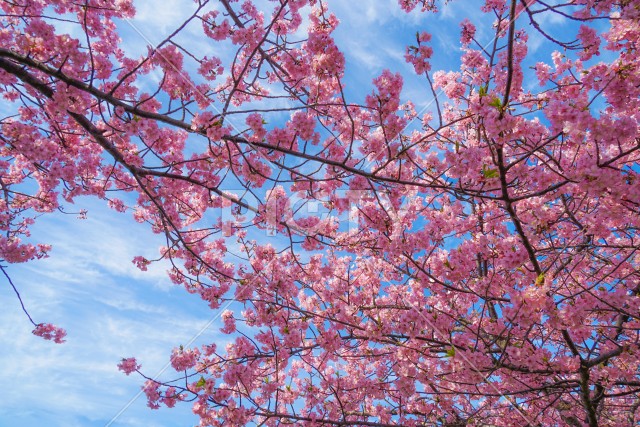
(489, 173)
(495, 102)
(201, 382)
(447, 264)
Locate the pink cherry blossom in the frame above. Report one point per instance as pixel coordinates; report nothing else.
(128, 365)
(229, 322)
(50, 332)
(452, 241)
(183, 359)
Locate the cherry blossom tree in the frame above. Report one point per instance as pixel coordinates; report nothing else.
(474, 263)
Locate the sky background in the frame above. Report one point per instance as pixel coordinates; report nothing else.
(110, 309)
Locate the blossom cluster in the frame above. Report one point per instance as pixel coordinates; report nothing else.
(50, 332)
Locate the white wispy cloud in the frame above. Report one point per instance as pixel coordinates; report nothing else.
(110, 310)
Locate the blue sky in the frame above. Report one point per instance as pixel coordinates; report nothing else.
(110, 309)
